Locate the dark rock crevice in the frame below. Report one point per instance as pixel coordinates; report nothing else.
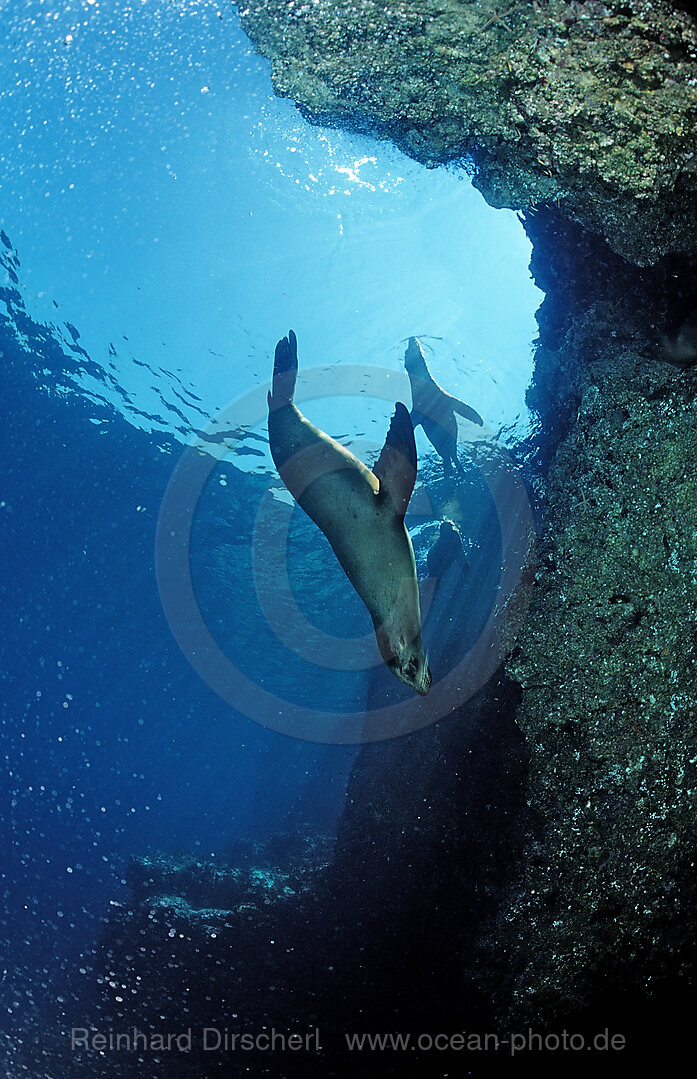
(596, 301)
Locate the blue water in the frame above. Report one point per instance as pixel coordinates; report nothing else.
(166, 221)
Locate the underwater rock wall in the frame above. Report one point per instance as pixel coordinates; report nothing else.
(585, 104)
(433, 827)
(607, 661)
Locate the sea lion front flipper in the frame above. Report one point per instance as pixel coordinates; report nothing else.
(395, 468)
(466, 411)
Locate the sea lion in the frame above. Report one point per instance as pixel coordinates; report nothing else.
(360, 512)
(446, 551)
(451, 597)
(435, 409)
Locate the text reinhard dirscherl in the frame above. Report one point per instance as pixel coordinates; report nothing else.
(221, 1039)
(208, 1039)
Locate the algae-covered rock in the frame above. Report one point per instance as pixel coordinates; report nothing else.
(608, 664)
(588, 105)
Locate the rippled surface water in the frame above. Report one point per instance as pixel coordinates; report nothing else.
(179, 215)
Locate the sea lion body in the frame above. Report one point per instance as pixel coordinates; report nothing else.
(433, 408)
(361, 512)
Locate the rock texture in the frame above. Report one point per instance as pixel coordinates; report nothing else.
(587, 105)
(599, 918)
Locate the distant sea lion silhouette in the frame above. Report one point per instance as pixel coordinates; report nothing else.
(681, 347)
(446, 551)
(448, 566)
(435, 409)
(360, 512)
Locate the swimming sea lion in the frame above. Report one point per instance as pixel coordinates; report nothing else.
(451, 597)
(360, 512)
(446, 551)
(433, 408)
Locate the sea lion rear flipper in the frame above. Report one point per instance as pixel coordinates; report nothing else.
(396, 466)
(466, 411)
(285, 371)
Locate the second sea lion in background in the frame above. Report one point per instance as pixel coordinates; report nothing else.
(446, 551)
(435, 409)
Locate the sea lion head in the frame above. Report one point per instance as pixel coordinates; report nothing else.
(406, 659)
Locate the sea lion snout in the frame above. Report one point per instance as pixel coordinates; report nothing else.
(425, 684)
(413, 669)
(407, 661)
